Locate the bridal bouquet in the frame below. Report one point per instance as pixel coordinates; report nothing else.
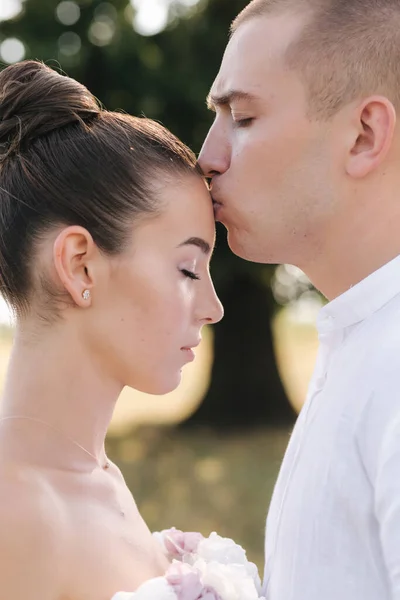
(213, 568)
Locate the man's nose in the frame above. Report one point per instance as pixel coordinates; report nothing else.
(214, 158)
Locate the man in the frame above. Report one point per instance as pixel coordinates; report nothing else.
(304, 163)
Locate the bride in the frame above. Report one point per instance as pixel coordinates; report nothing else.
(106, 235)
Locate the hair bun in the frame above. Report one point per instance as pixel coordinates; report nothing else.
(34, 100)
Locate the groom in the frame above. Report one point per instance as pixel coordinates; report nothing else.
(304, 162)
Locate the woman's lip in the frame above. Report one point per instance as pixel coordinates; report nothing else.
(191, 346)
(189, 353)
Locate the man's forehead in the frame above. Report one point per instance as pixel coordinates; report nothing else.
(255, 55)
(238, 64)
(242, 72)
(260, 40)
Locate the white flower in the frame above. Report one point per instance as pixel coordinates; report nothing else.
(231, 582)
(222, 550)
(226, 552)
(211, 567)
(154, 589)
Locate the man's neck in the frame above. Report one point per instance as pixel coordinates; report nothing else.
(350, 251)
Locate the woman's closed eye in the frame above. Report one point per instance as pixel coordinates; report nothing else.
(190, 274)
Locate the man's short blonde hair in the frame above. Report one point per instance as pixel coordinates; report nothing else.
(347, 49)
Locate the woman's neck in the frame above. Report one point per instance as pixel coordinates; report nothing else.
(54, 379)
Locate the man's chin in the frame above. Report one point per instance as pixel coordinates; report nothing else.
(236, 245)
(243, 250)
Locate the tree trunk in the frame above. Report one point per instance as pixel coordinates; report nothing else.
(246, 389)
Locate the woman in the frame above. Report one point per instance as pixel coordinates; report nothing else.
(106, 235)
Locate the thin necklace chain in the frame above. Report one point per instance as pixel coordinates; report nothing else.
(15, 417)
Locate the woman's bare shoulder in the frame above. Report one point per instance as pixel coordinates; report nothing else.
(27, 492)
(32, 526)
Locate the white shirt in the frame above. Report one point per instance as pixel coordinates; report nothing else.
(333, 528)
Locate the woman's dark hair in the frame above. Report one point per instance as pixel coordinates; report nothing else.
(66, 161)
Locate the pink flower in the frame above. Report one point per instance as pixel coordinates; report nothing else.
(187, 584)
(178, 543)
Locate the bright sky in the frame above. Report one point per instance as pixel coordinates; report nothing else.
(151, 15)
(9, 8)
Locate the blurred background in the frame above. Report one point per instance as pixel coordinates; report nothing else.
(206, 456)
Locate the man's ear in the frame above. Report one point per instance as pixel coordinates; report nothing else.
(375, 122)
(73, 254)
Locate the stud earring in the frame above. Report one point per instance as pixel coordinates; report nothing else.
(86, 294)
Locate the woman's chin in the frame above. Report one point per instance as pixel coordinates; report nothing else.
(160, 386)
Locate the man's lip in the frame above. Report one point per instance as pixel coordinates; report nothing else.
(217, 206)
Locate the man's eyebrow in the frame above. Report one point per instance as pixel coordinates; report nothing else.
(199, 242)
(225, 99)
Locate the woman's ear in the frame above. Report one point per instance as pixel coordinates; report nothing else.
(73, 255)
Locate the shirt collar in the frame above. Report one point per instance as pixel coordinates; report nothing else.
(362, 300)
